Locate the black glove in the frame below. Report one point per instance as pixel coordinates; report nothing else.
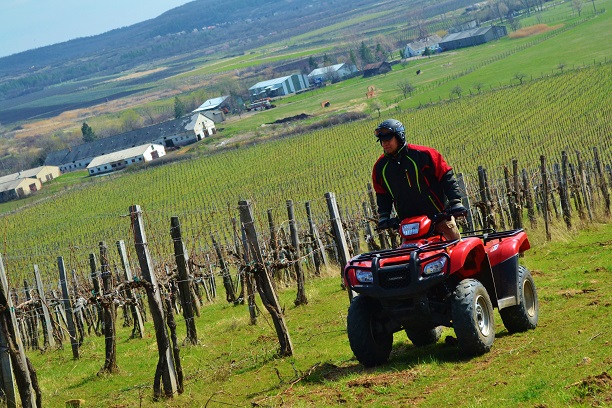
(386, 222)
(458, 210)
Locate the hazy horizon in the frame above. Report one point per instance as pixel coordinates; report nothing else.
(29, 24)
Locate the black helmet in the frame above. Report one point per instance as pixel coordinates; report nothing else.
(389, 128)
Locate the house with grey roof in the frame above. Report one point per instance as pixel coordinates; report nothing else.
(418, 47)
(332, 73)
(475, 36)
(173, 133)
(119, 160)
(279, 86)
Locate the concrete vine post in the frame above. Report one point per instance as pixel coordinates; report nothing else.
(138, 328)
(166, 370)
(49, 340)
(74, 342)
(301, 298)
(263, 280)
(184, 282)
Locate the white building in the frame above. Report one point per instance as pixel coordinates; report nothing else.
(123, 158)
(279, 86)
(418, 47)
(332, 73)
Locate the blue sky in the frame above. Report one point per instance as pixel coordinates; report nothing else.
(28, 24)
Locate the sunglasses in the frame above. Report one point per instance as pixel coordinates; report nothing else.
(384, 133)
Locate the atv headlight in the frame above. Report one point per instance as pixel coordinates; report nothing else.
(410, 229)
(434, 267)
(364, 276)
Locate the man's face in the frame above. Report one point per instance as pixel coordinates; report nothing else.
(390, 146)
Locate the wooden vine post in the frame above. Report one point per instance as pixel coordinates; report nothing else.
(166, 370)
(263, 280)
(22, 370)
(230, 294)
(466, 202)
(340, 238)
(108, 314)
(93, 267)
(601, 180)
(184, 282)
(301, 298)
(74, 342)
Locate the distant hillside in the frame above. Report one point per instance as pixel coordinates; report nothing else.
(198, 28)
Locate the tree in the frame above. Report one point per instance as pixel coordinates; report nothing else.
(375, 105)
(179, 108)
(405, 87)
(365, 54)
(88, 133)
(478, 86)
(457, 91)
(577, 6)
(519, 76)
(312, 63)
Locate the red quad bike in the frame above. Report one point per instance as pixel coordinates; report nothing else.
(429, 282)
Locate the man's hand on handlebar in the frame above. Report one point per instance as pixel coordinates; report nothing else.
(386, 223)
(458, 210)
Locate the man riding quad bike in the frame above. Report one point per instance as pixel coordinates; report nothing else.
(435, 278)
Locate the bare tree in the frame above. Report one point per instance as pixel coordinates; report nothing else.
(457, 91)
(375, 106)
(577, 6)
(406, 87)
(519, 76)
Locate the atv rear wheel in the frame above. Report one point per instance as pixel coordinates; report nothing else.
(370, 341)
(473, 319)
(524, 315)
(424, 337)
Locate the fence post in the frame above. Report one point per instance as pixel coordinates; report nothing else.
(26, 381)
(165, 363)
(300, 298)
(601, 178)
(184, 282)
(485, 198)
(320, 254)
(264, 284)
(68, 307)
(381, 235)
(565, 205)
(48, 323)
(586, 193)
(108, 313)
(138, 328)
(466, 202)
(545, 196)
(338, 230)
(230, 294)
(517, 195)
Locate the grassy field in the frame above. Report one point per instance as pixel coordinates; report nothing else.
(565, 361)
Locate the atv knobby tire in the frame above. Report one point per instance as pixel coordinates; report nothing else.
(524, 315)
(370, 341)
(473, 319)
(423, 337)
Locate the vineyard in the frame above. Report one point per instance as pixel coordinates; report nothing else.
(567, 112)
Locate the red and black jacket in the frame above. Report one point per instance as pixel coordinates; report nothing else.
(417, 180)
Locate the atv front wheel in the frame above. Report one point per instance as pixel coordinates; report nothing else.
(473, 320)
(424, 337)
(370, 341)
(524, 315)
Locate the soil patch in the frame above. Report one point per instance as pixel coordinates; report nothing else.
(532, 30)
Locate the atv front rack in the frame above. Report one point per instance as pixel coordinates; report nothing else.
(404, 277)
(490, 234)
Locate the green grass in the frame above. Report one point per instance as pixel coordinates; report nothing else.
(235, 365)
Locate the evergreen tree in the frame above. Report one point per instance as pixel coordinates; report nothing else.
(365, 54)
(179, 108)
(88, 133)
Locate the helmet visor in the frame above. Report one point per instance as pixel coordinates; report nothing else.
(384, 133)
